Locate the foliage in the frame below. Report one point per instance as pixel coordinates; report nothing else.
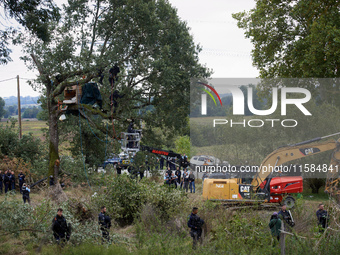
(85, 140)
(151, 45)
(243, 231)
(125, 197)
(28, 148)
(182, 144)
(31, 112)
(293, 38)
(32, 15)
(16, 165)
(2, 108)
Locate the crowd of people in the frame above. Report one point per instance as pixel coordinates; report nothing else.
(7, 183)
(185, 180)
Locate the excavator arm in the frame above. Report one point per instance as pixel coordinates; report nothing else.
(333, 179)
(296, 151)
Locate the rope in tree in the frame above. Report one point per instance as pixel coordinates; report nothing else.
(81, 147)
(92, 129)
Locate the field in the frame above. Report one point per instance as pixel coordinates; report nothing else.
(33, 126)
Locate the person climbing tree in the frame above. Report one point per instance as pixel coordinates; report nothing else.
(114, 101)
(113, 72)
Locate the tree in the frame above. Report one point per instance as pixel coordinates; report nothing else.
(294, 38)
(30, 112)
(28, 148)
(146, 39)
(32, 15)
(2, 108)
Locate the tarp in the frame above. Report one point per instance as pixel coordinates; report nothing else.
(91, 94)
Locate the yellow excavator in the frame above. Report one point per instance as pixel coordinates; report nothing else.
(263, 188)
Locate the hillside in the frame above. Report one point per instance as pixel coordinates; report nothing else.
(27, 101)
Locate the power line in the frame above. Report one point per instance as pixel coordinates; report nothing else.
(8, 79)
(26, 79)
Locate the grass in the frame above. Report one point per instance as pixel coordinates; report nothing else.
(31, 126)
(246, 228)
(34, 127)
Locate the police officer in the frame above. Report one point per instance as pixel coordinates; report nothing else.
(12, 178)
(21, 178)
(286, 216)
(51, 180)
(195, 223)
(7, 181)
(161, 163)
(323, 218)
(178, 173)
(184, 161)
(119, 168)
(25, 193)
(169, 172)
(60, 228)
(104, 223)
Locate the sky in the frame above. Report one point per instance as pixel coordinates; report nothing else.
(225, 49)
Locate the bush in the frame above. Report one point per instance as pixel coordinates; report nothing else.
(125, 197)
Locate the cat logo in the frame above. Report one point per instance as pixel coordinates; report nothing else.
(219, 186)
(245, 189)
(308, 151)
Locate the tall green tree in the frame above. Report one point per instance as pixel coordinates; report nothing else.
(33, 15)
(2, 107)
(294, 38)
(148, 41)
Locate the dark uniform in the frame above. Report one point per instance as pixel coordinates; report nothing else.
(119, 169)
(51, 180)
(105, 224)
(161, 163)
(12, 179)
(60, 229)
(184, 161)
(169, 172)
(322, 216)
(195, 223)
(178, 174)
(21, 178)
(7, 182)
(25, 194)
(285, 215)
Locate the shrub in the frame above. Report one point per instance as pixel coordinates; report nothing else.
(125, 197)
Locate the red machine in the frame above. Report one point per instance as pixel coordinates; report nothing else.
(283, 186)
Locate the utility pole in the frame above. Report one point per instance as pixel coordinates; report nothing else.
(19, 109)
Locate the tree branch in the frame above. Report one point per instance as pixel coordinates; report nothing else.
(94, 29)
(61, 88)
(44, 76)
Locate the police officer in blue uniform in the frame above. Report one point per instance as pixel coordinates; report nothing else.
(105, 223)
(195, 223)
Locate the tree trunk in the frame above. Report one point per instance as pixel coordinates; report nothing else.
(52, 108)
(54, 135)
